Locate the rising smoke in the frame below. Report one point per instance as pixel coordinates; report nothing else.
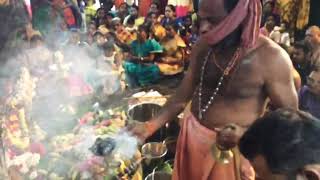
(55, 109)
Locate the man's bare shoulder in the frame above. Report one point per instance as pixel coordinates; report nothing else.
(271, 55)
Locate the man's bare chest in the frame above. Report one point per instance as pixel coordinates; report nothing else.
(244, 81)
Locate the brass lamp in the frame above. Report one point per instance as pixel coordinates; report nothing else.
(222, 156)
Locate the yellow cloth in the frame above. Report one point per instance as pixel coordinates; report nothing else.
(295, 12)
(103, 29)
(173, 49)
(125, 37)
(139, 21)
(159, 31)
(138, 175)
(297, 79)
(90, 12)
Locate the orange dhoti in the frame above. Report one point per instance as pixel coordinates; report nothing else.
(194, 160)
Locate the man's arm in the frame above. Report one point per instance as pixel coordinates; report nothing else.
(279, 78)
(184, 92)
(182, 96)
(175, 104)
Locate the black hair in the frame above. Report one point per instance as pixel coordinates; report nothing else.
(100, 9)
(97, 33)
(107, 4)
(131, 20)
(288, 140)
(149, 14)
(229, 5)
(145, 29)
(301, 45)
(272, 4)
(173, 25)
(172, 7)
(135, 6)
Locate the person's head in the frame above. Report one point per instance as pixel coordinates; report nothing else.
(131, 21)
(123, 8)
(171, 30)
(36, 41)
(268, 7)
(99, 38)
(134, 11)
(108, 18)
(143, 33)
(270, 22)
(188, 20)
(283, 145)
(74, 37)
(151, 18)
(100, 13)
(313, 81)
(92, 28)
(107, 4)
(170, 11)
(116, 22)
(209, 18)
(108, 48)
(154, 8)
(299, 52)
(313, 36)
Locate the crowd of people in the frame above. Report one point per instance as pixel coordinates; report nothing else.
(155, 48)
(303, 50)
(147, 49)
(281, 68)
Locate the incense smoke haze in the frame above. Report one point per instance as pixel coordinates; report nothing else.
(53, 109)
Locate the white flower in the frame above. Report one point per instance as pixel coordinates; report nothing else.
(24, 169)
(33, 175)
(34, 159)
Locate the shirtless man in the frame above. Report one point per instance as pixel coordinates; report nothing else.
(263, 71)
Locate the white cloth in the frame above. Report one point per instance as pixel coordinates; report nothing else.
(280, 38)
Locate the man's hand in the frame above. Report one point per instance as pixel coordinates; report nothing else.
(142, 130)
(228, 137)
